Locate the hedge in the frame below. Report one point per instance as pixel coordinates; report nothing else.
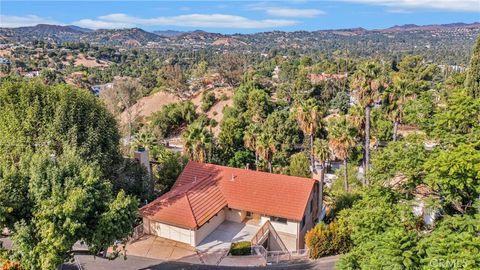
(241, 248)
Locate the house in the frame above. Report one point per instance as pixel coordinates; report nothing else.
(206, 195)
(4, 61)
(97, 89)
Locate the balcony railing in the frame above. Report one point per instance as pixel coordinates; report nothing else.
(267, 230)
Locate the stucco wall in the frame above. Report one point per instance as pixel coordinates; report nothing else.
(235, 215)
(289, 227)
(169, 232)
(309, 220)
(209, 227)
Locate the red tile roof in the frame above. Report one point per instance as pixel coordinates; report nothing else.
(202, 190)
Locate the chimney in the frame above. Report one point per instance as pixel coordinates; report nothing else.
(141, 155)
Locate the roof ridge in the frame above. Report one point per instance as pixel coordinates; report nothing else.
(191, 209)
(251, 171)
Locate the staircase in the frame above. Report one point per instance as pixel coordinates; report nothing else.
(267, 231)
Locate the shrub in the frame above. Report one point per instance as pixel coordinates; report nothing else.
(241, 248)
(173, 116)
(325, 240)
(208, 99)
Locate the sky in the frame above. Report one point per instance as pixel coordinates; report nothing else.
(238, 16)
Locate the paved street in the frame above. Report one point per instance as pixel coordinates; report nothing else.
(88, 262)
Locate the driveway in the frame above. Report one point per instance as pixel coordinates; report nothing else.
(150, 246)
(225, 234)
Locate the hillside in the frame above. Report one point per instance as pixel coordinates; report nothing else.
(455, 39)
(151, 104)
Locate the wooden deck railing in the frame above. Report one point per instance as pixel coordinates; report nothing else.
(265, 231)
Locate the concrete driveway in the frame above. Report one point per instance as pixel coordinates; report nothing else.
(150, 246)
(225, 234)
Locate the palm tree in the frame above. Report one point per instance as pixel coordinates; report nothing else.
(341, 138)
(367, 84)
(250, 138)
(266, 147)
(395, 98)
(322, 153)
(309, 117)
(196, 141)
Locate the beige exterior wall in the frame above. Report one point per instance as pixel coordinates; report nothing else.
(290, 227)
(309, 219)
(235, 215)
(209, 227)
(170, 232)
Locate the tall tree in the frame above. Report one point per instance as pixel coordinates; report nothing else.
(266, 148)
(367, 84)
(232, 67)
(35, 115)
(322, 153)
(121, 97)
(197, 143)
(341, 138)
(473, 74)
(250, 139)
(66, 200)
(309, 118)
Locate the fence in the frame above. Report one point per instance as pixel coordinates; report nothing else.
(279, 256)
(137, 233)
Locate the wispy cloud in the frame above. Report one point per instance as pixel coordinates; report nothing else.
(399, 11)
(293, 12)
(121, 20)
(286, 11)
(409, 5)
(28, 20)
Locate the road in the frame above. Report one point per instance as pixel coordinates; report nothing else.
(89, 262)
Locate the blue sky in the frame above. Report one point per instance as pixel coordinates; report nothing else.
(239, 16)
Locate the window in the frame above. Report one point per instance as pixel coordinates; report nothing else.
(302, 223)
(278, 219)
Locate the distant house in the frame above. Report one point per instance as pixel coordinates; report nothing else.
(4, 61)
(97, 89)
(32, 74)
(206, 195)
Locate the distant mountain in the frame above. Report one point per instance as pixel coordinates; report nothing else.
(57, 33)
(129, 36)
(431, 27)
(410, 35)
(168, 33)
(81, 29)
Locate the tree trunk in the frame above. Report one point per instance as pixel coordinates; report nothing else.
(256, 160)
(312, 157)
(345, 162)
(395, 130)
(320, 194)
(367, 143)
(270, 166)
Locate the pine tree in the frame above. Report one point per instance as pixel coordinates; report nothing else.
(472, 83)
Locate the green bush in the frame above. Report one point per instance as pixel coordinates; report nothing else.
(241, 248)
(173, 116)
(208, 99)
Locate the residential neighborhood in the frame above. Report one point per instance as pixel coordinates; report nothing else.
(224, 135)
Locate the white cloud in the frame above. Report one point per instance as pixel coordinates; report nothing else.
(293, 12)
(446, 5)
(120, 20)
(28, 20)
(286, 11)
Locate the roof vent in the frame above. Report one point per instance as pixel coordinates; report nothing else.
(233, 178)
(194, 179)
